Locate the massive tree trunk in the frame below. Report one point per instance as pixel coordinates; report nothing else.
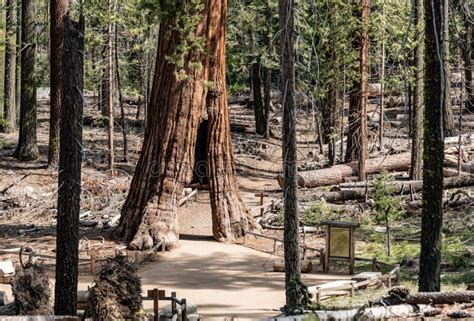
(10, 65)
(174, 112)
(70, 159)
(448, 120)
(295, 291)
(433, 154)
(467, 54)
(230, 216)
(27, 148)
(257, 98)
(58, 9)
(418, 103)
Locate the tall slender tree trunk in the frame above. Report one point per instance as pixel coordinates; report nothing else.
(70, 159)
(123, 123)
(3, 38)
(174, 112)
(418, 103)
(267, 100)
(18, 64)
(27, 148)
(110, 100)
(10, 64)
(448, 109)
(382, 82)
(433, 153)
(364, 87)
(257, 98)
(58, 9)
(467, 56)
(358, 99)
(230, 216)
(294, 288)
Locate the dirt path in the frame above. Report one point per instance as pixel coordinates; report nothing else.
(224, 280)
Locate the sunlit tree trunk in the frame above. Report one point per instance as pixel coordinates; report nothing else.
(467, 56)
(433, 153)
(364, 86)
(27, 148)
(58, 8)
(10, 64)
(448, 109)
(173, 116)
(418, 103)
(230, 216)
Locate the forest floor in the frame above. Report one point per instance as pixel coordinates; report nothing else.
(223, 280)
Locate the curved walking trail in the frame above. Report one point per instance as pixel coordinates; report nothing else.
(223, 280)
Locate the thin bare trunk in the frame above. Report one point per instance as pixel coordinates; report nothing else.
(418, 102)
(363, 101)
(10, 63)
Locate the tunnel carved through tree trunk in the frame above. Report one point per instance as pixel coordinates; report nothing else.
(150, 211)
(230, 216)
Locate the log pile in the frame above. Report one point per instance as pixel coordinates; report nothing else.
(400, 188)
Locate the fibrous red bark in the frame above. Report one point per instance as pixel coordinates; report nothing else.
(230, 216)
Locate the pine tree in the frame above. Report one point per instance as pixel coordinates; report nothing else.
(433, 150)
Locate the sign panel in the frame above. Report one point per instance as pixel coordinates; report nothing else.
(339, 242)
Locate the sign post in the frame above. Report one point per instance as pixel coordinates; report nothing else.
(340, 242)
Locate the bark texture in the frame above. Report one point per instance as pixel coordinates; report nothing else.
(448, 120)
(257, 98)
(230, 216)
(10, 65)
(418, 103)
(173, 116)
(467, 54)
(70, 159)
(58, 8)
(293, 285)
(433, 153)
(364, 87)
(27, 148)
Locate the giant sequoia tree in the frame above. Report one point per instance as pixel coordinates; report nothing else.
(230, 217)
(184, 81)
(27, 148)
(58, 9)
(433, 153)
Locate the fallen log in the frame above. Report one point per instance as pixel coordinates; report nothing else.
(400, 188)
(440, 297)
(337, 174)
